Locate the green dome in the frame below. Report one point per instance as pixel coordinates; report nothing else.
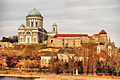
(34, 12)
(54, 24)
(22, 25)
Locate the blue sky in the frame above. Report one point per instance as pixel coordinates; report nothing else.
(71, 16)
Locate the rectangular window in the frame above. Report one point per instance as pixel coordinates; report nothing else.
(36, 24)
(51, 41)
(31, 24)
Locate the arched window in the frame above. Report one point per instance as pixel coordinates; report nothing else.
(53, 29)
(21, 38)
(98, 49)
(28, 33)
(51, 41)
(34, 39)
(109, 48)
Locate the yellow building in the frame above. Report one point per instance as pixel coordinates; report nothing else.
(72, 40)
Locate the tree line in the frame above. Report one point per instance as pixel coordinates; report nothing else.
(11, 39)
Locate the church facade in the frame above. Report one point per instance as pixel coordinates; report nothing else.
(33, 32)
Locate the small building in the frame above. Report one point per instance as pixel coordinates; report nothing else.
(66, 53)
(46, 57)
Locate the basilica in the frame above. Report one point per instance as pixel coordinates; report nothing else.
(34, 33)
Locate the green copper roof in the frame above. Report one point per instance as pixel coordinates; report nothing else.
(22, 25)
(34, 12)
(54, 24)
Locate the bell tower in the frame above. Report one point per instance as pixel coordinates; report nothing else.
(54, 28)
(109, 47)
(103, 37)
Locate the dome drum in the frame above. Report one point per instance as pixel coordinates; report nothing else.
(34, 19)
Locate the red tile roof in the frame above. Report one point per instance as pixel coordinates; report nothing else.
(90, 37)
(70, 35)
(102, 32)
(103, 54)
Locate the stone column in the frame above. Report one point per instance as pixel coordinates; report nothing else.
(26, 23)
(33, 22)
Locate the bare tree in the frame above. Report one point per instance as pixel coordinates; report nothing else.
(71, 65)
(116, 62)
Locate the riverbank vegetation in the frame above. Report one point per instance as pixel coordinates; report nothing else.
(26, 58)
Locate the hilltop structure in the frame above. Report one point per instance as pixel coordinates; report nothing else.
(34, 33)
